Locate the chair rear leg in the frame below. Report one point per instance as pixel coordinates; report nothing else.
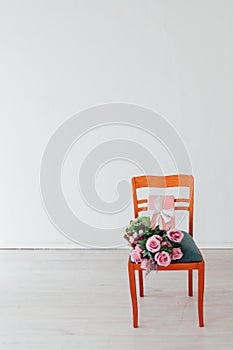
(141, 287)
(133, 293)
(201, 282)
(190, 283)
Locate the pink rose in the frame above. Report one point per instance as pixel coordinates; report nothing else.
(140, 232)
(144, 223)
(166, 243)
(176, 254)
(135, 256)
(144, 263)
(153, 243)
(137, 248)
(163, 258)
(175, 235)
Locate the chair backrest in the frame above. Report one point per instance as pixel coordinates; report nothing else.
(164, 182)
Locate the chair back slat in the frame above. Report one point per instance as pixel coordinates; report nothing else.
(182, 200)
(182, 208)
(142, 209)
(141, 201)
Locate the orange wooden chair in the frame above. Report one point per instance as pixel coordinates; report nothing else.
(192, 259)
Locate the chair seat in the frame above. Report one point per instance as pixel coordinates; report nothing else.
(190, 250)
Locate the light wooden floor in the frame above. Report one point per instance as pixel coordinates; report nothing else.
(79, 300)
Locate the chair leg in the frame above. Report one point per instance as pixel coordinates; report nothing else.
(190, 283)
(133, 293)
(201, 282)
(141, 288)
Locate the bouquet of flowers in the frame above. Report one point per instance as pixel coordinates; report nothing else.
(152, 246)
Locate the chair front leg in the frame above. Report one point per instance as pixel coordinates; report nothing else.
(141, 287)
(201, 282)
(190, 283)
(133, 293)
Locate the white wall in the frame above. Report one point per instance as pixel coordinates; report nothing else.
(60, 57)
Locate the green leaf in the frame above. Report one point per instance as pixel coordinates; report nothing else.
(166, 249)
(142, 244)
(136, 226)
(148, 233)
(147, 254)
(146, 219)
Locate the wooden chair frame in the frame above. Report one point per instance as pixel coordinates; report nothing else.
(164, 182)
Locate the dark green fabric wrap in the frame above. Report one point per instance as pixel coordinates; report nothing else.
(189, 249)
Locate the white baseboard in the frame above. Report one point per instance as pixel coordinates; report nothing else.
(40, 245)
(215, 245)
(71, 245)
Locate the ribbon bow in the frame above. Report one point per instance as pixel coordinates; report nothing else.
(161, 213)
